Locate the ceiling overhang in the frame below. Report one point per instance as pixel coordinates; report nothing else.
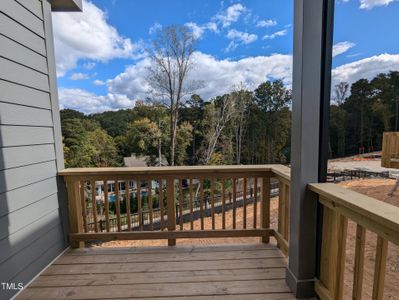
(66, 5)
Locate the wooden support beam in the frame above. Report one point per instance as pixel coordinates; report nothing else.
(170, 235)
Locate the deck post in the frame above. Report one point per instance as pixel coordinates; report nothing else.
(75, 211)
(313, 23)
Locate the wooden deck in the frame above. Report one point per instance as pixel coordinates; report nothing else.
(247, 271)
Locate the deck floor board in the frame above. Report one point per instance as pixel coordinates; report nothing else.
(215, 272)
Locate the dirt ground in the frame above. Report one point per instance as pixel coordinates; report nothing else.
(376, 188)
(208, 225)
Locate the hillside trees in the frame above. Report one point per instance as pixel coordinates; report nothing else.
(86, 144)
(358, 121)
(240, 127)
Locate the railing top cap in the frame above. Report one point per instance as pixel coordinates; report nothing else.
(375, 210)
(194, 170)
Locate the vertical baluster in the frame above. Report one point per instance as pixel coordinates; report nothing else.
(223, 204)
(191, 204)
(161, 208)
(244, 199)
(287, 212)
(333, 245)
(281, 207)
(255, 201)
(106, 204)
(265, 207)
(150, 210)
(170, 186)
(139, 204)
(181, 203)
(359, 263)
(202, 203)
(94, 204)
(343, 228)
(118, 205)
(212, 195)
(379, 268)
(234, 201)
(83, 203)
(128, 210)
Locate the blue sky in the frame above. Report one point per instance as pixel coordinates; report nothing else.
(102, 62)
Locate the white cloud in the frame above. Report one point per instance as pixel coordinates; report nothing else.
(342, 47)
(365, 68)
(155, 28)
(276, 34)
(219, 75)
(239, 37)
(369, 4)
(231, 15)
(99, 82)
(199, 30)
(266, 23)
(79, 76)
(132, 82)
(87, 102)
(87, 35)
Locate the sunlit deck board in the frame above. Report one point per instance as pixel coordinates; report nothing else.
(217, 272)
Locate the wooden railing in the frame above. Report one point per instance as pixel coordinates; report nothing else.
(339, 205)
(166, 202)
(283, 176)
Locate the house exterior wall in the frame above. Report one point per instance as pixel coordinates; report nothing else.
(32, 199)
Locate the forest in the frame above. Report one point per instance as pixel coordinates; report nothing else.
(242, 127)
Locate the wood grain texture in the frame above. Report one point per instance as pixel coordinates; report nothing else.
(359, 263)
(379, 268)
(377, 216)
(234, 271)
(170, 234)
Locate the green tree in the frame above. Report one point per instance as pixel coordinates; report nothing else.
(272, 99)
(141, 138)
(102, 149)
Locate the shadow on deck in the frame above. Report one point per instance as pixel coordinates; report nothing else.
(247, 271)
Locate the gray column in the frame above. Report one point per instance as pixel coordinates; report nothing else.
(313, 23)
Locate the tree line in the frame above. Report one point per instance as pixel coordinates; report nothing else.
(241, 127)
(360, 113)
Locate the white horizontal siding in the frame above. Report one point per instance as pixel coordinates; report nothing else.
(22, 35)
(10, 49)
(34, 6)
(31, 224)
(27, 235)
(27, 215)
(13, 114)
(18, 177)
(23, 16)
(26, 195)
(18, 262)
(25, 135)
(14, 157)
(18, 94)
(20, 74)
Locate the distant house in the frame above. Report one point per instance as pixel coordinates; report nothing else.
(135, 161)
(143, 161)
